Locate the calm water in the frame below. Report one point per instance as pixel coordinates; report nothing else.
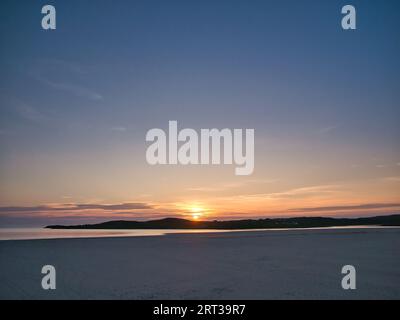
(41, 233)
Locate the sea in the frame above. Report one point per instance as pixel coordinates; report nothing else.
(43, 233)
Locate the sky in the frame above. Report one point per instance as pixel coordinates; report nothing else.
(76, 103)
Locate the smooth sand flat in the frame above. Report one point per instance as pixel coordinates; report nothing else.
(293, 264)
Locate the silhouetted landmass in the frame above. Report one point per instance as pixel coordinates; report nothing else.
(301, 222)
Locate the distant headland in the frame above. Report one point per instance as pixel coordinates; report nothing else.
(275, 223)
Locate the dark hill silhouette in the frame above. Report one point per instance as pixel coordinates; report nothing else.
(300, 222)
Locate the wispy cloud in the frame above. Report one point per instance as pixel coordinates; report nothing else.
(30, 113)
(232, 185)
(43, 68)
(303, 192)
(119, 129)
(22, 109)
(214, 189)
(65, 65)
(366, 206)
(76, 207)
(76, 90)
(328, 129)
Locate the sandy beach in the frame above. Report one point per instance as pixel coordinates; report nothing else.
(291, 264)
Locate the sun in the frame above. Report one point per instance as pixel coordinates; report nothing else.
(197, 212)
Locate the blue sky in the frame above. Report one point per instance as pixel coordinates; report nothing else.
(76, 102)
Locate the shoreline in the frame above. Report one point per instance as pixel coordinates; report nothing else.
(128, 233)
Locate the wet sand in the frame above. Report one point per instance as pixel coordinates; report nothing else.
(289, 264)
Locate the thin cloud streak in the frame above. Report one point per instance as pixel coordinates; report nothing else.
(75, 207)
(348, 207)
(73, 89)
(68, 68)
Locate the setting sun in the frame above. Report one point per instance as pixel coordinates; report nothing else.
(196, 212)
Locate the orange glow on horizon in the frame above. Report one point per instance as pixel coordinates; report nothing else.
(196, 212)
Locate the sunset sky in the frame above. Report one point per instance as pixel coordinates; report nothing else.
(76, 103)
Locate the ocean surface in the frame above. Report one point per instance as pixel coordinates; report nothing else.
(42, 233)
